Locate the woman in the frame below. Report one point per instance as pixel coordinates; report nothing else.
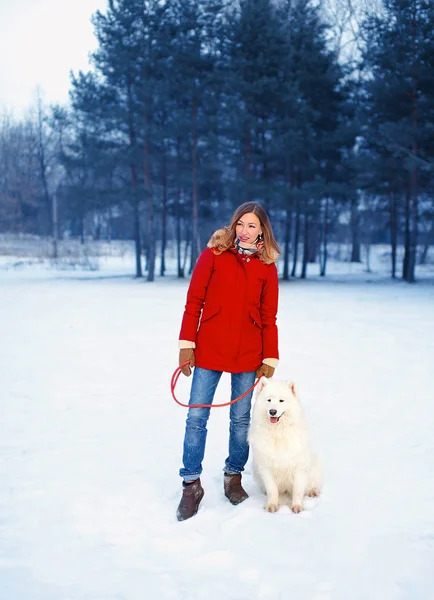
(229, 325)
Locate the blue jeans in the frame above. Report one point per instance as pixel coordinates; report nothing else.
(203, 389)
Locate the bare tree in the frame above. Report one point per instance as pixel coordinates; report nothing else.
(345, 18)
(47, 141)
(19, 192)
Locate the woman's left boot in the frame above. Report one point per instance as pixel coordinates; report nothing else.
(234, 491)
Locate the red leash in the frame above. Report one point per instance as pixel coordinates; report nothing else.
(174, 381)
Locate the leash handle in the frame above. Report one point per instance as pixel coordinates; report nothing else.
(174, 381)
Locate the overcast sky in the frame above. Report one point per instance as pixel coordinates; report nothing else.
(40, 41)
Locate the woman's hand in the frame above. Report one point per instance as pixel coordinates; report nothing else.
(265, 370)
(184, 355)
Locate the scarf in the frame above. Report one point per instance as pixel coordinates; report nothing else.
(245, 249)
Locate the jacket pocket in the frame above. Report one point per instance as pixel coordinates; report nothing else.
(209, 313)
(256, 317)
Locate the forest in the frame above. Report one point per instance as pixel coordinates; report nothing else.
(321, 111)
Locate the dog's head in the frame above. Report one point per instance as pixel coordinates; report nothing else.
(276, 400)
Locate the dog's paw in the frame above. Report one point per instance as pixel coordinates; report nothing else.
(270, 507)
(297, 508)
(313, 493)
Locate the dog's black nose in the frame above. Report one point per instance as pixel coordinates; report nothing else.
(272, 412)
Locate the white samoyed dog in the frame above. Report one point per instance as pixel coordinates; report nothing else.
(283, 461)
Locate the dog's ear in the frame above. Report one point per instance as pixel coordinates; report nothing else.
(263, 381)
(293, 388)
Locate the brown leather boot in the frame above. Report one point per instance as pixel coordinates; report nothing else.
(234, 491)
(191, 496)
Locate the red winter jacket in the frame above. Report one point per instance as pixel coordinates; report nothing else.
(230, 312)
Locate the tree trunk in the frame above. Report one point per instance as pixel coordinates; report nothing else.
(81, 224)
(109, 224)
(411, 229)
(178, 234)
(313, 242)
(424, 254)
(288, 225)
(428, 241)
(368, 258)
(296, 239)
(265, 174)
(187, 247)
(394, 231)
(195, 236)
(355, 230)
(411, 275)
(247, 168)
(324, 256)
(136, 215)
(287, 245)
(305, 247)
(136, 201)
(163, 215)
(406, 236)
(55, 227)
(150, 242)
(43, 167)
(414, 184)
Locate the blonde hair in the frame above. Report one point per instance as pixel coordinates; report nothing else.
(224, 238)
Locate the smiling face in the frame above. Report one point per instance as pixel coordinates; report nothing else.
(248, 228)
(276, 400)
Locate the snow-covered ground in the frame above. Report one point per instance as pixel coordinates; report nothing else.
(91, 441)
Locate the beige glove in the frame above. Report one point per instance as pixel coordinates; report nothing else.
(184, 355)
(265, 370)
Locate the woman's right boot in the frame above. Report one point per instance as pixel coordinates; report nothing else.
(192, 494)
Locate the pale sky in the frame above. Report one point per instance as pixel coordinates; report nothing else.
(40, 41)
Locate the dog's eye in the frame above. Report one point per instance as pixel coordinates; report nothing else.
(268, 399)
(281, 400)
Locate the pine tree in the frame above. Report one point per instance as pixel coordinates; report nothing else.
(258, 71)
(108, 97)
(195, 77)
(316, 132)
(399, 58)
(125, 81)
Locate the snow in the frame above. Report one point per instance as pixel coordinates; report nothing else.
(91, 442)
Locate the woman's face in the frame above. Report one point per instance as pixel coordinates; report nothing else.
(248, 228)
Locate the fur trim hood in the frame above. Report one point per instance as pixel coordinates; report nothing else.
(219, 242)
